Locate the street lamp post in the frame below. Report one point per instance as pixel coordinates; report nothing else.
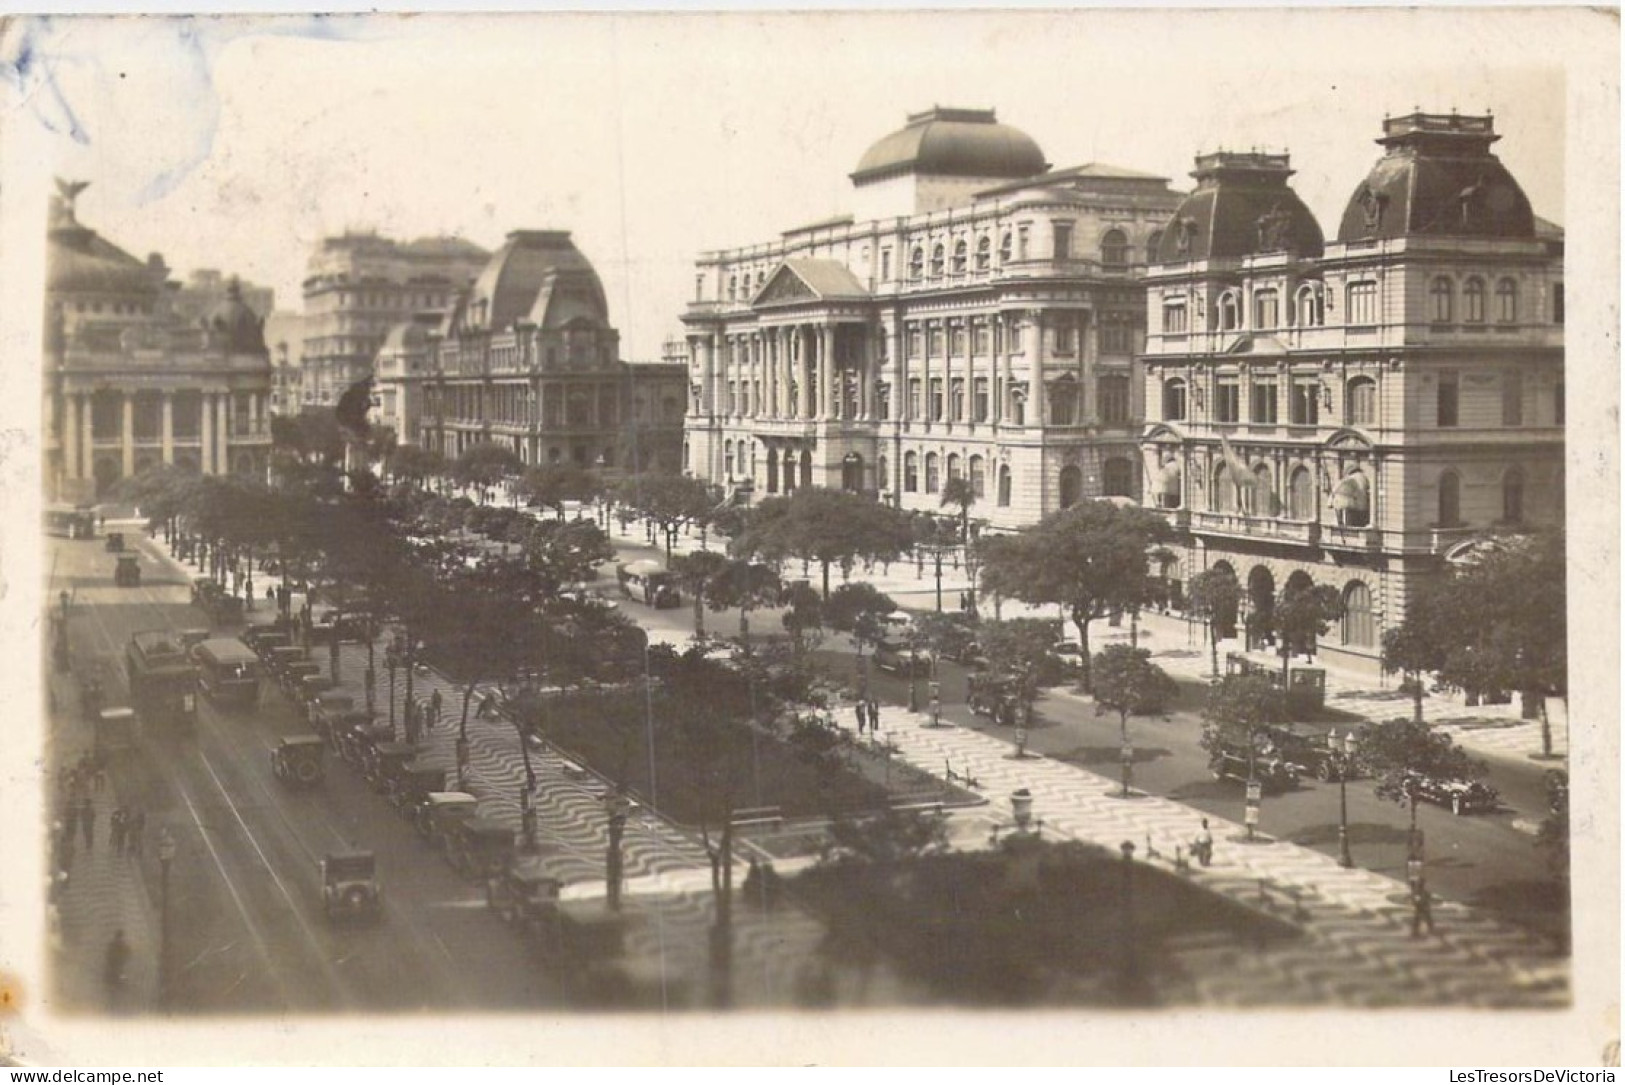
(617, 806)
(1341, 765)
(391, 663)
(166, 856)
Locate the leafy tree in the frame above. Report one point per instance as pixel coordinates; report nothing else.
(1412, 649)
(484, 466)
(415, 465)
(1236, 708)
(1215, 596)
(311, 437)
(857, 610)
(804, 612)
(1553, 838)
(829, 528)
(957, 491)
(1089, 559)
(553, 484)
(1126, 681)
(696, 571)
(1300, 615)
(1401, 753)
(745, 585)
(669, 501)
(1020, 648)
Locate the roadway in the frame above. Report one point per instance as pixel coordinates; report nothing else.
(246, 924)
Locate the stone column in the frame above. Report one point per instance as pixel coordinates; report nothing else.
(206, 421)
(222, 404)
(1037, 394)
(70, 437)
(167, 433)
(254, 409)
(127, 435)
(826, 352)
(87, 437)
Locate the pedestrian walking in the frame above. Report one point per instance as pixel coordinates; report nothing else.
(874, 716)
(863, 717)
(87, 822)
(1421, 908)
(133, 831)
(98, 779)
(434, 705)
(115, 829)
(1204, 845)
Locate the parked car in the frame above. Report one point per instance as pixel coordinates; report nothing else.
(440, 813)
(995, 696)
(479, 847)
(1234, 761)
(896, 657)
(350, 888)
(1317, 752)
(1460, 796)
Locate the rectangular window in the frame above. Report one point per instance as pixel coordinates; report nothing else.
(916, 401)
(1362, 306)
(978, 339)
(1305, 403)
(1512, 398)
(1227, 400)
(885, 265)
(1266, 309)
(1063, 339)
(979, 400)
(1175, 318)
(934, 342)
(1114, 337)
(1022, 236)
(915, 339)
(956, 395)
(1015, 338)
(1063, 241)
(956, 341)
(1112, 394)
(936, 399)
(1266, 400)
(1449, 398)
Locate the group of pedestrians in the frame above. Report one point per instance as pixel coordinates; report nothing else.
(868, 716)
(77, 819)
(426, 712)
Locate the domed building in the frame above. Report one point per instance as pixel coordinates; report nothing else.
(1351, 413)
(975, 317)
(527, 357)
(129, 384)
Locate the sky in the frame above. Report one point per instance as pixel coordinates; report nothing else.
(238, 143)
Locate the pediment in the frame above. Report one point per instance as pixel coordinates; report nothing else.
(784, 286)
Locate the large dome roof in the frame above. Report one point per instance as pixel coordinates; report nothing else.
(80, 261)
(953, 143)
(234, 326)
(1439, 178)
(522, 281)
(1242, 206)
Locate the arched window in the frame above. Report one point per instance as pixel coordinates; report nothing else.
(761, 279)
(953, 465)
(1472, 300)
(1512, 496)
(1352, 500)
(1449, 499)
(911, 472)
(1223, 497)
(933, 467)
(961, 257)
(1114, 248)
(1007, 248)
(978, 480)
(1152, 244)
(916, 262)
(1173, 400)
(984, 252)
(1442, 301)
(1359, 628)
(1229, 312)
(938, 258)
(1117, 477)
(1071, 485)
(1506, 302)
(1004, 486)
(1261, 499)
(1301, 495)
(1361, 402)
(1310, 305)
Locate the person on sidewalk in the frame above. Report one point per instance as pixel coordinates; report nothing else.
(134, 831)
(863, 717)
(874, 717)
(87, 822)
(1421, 908)
(434, 706)
(1204, 845)
(115, 829)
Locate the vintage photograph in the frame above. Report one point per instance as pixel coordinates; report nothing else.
(705, 516)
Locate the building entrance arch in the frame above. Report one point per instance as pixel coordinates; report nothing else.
(1071, 485)
(1260, 605)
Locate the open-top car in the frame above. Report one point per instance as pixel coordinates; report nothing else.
(1459, 796)
(443, 811)
(298, 760)
(480, 847)
(350, 888)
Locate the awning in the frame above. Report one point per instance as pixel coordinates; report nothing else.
(1168, 480)
(1352, 493)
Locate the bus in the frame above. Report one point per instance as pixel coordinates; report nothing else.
(649, 584)
(163, 678)
(70, 521)
(228, 672)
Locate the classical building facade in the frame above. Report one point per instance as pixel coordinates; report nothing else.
(1357, 412)
(528, 357)
(978, 317)
(359, 285)
(128, 383)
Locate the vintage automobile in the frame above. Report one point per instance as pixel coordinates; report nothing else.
(324, 711)
(442, 811)
(384, 760)
(278, 658)
(1264, 764)
(350, 888)
(412, 784)
(522, 892)
(1324, 754)
(1460, 796)
(358, 743)
(264, 638)
(127, 573)
(894, 656)
(117, 730)
(995, 696)
(311, 687)
(298, 760)
(479, 847)
(295, 673)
